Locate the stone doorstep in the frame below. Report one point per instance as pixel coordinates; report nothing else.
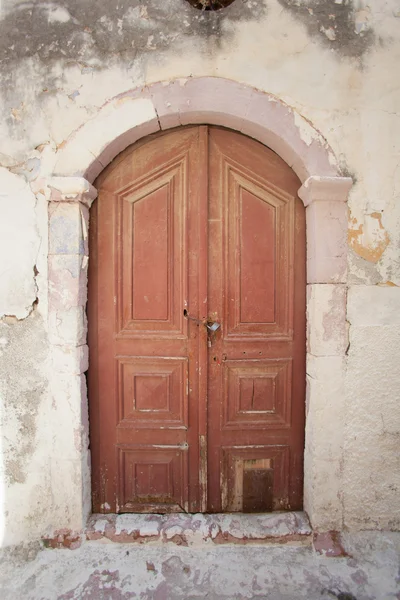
(191, 529)
(199, 529)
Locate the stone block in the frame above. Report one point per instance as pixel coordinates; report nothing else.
(194, 529)
(70, 189)
(287, 133)
(325, 188)
(117, 125)
(326, 320)
(317, 157)
(277, 130)
(68, 326)
(68, 418)
(70, 359)
(169, 102)
(326, 242)
(325, 269)
(75, 160)
(324, 425)
(67, 229)
(324, 428)
(323, 496)
(323, 457)
(122, 115)
(144, 525)
(67, 281)
(216, 101)
(126, 139)
(66, 484)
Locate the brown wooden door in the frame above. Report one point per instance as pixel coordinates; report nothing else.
(197, 327)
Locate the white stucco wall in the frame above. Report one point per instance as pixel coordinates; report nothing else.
(335, 64)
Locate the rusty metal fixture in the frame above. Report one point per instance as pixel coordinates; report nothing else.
(210, 4)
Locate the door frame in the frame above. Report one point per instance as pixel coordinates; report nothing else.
(324, 191)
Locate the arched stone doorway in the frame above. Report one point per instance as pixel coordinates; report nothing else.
(324, 192)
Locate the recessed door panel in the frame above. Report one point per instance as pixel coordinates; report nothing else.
(152, 479)
(152, 252)
(257, 247)
(258, 240)
(257, 393)
(153, 392)
(152, 260)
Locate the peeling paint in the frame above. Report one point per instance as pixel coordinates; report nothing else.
(369, 239)
(19, 246)
(388, 284)
(362, 20)
(307, 133)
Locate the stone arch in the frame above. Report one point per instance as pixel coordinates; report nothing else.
(211, 100)
(162, 106)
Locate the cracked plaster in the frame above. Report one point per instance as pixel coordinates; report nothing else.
(19, 246)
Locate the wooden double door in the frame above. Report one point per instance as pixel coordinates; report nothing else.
(197, 327)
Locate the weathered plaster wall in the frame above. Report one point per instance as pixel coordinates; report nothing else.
(335, 62)
(372, 413)
(25, 487)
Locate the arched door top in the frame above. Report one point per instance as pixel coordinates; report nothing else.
(209, 100)
(135, 114)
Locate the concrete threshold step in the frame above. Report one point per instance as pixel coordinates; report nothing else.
(197, 529)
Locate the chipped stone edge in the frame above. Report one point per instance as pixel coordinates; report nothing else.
(71, 189)
(333, 189)
(188, 530)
